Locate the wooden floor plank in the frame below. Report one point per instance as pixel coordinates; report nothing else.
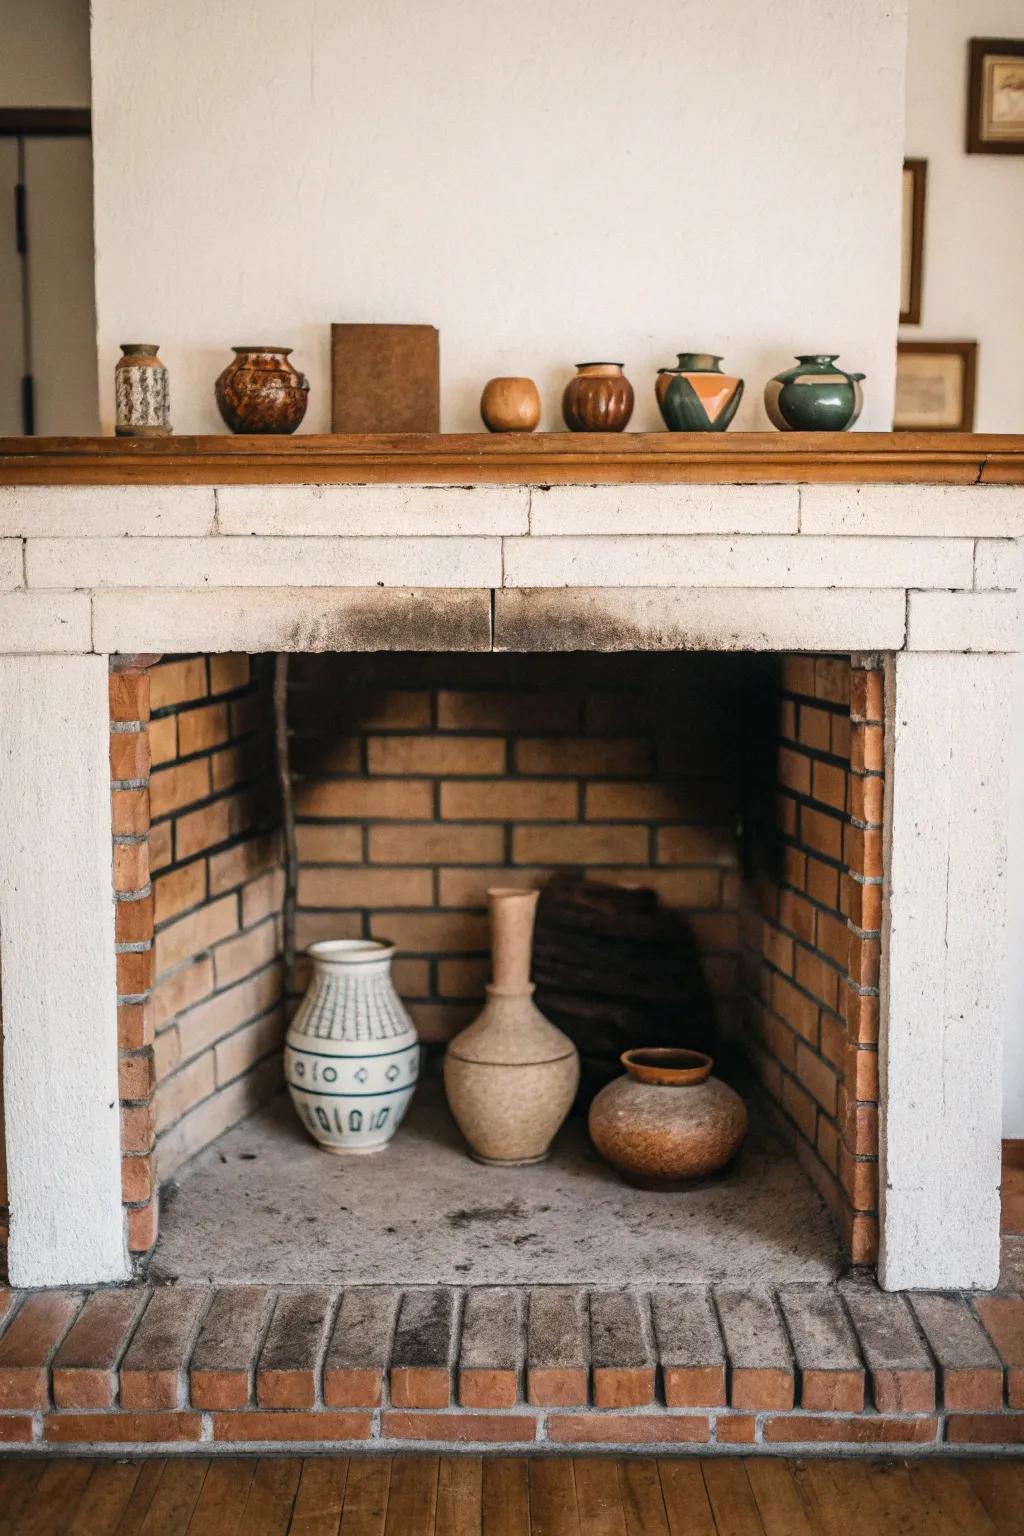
(643, 1506)
(895, 1500)
(412, 1501)
(268, 1507)
(221, 1503)
(553, 1510)
(598, 1499)
(949, 1500)
(779, 1497)
(147, 1483)
(176, 1496)
(732, 1502)
(55, 1498)
(687, 1506)
(506, 1496)
(366, 1496)
(321, 1496)
(18, 1481)
(459, 1493)
(105, 1499)
(999, 1487)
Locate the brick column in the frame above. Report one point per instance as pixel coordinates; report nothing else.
(57, 973)
(942, 975)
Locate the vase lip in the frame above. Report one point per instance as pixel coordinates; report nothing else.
(599, 363)
(350, 951)
(816, 357)
(279, 351)
(135, 348)
(695, 362)
(667, 1066)
(531, 892)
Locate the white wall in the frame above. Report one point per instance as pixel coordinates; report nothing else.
(974, 291)
(555, 181)
(44, 53)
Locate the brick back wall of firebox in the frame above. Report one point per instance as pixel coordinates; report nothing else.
(420, 780)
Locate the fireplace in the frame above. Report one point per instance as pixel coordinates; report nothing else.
(821, 788)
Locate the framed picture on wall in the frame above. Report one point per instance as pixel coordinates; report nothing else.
(915, 173)
(995, 96)
(935, 386)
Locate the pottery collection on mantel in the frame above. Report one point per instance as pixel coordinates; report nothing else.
(511, 1076)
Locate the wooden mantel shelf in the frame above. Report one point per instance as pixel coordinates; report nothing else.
(555, 458)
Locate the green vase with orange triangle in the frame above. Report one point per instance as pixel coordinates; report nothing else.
(696, 396)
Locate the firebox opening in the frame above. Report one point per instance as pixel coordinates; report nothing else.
(743, 791)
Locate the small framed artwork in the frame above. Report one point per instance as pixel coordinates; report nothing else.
(995, 96)
(915, 173)
(935, 386)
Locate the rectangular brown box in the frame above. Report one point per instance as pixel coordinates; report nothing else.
(385, 378)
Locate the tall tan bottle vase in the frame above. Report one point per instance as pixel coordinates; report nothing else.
(511, 1076)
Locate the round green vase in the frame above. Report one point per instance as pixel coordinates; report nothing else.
(696, 396)
(815, 396)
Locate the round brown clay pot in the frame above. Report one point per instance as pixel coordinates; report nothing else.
(510, 405)
(668, 1123)
(511, 1077)
(598, 399)
(261, 392)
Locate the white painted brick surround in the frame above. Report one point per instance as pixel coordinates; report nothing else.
(928, 575)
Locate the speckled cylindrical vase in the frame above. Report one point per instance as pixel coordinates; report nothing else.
(141, 392)
(511, 1077)
(668, 1123)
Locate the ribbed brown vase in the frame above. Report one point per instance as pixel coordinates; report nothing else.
(598, 399)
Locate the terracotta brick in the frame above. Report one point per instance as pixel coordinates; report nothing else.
(233, 765)
(798, 673)
(161, 846)
(867, 795)
(865, 960)
(798, 1010)
(582, 756)
(833, 938)
(133, 920)
(142, 1223)
(867, 694)
(832, 1391)
(85, 1365)
(821, 831)
(817, 1077)
(828, 1144)
(788, 815)
(834, 1041)
(201, 729)
(367, 799)
(468, 887)
(129, 695)
(129, 756)
(866, 749)
(180, 890)
(795, 771)
(695, 1386)
(841, 736)
(735, 1428)
(797, 915)
(177, 682)
(521, 710)
(859, 1178)
(134, 1026)
(815, 975)
(762, 1389)
(121, 1428)
(481, 1388)
(861, 1013)
(15, 1429)
(184, 1089)
(129, 812)
(137, 1179)
(322, 843)
(865, 906)
(628, 1429)
(696, 845)
(179, 785)
(365, 887)
(832, 679)
(582, 845)
(131, 865)
(829, 785)
(163, 740)
(29, 1342)
(903, 1391)
(240, 957)
(862, 1429)
(862, 1074)
(135, 1076)
(153, 1370)
(286, 1375)
(228, 671)
(138, 1128)
(549, 1386)
(787, 719)
(1003, 1320)
(182, 990)
(198, 931)
(778, 949)
(199, 830)
(432, 932)
(822, 882)
(794, 868)
(262, 897)
(862, 1239)
(800, 1107)
(420, 1386)
(445, 756)
(508, 800)
(813, 728)
(780, 1040)
(985, 1428)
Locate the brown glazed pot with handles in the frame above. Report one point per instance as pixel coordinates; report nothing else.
(598, 399)
(261, 392)
(668, 1124)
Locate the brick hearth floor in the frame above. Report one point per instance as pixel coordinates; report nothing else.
(679, 1368)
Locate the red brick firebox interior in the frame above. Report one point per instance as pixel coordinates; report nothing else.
(746, 790)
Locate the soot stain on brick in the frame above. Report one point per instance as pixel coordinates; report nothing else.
(512, 1210)
(402, 619)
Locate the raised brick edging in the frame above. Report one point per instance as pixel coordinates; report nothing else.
(821, 1367)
